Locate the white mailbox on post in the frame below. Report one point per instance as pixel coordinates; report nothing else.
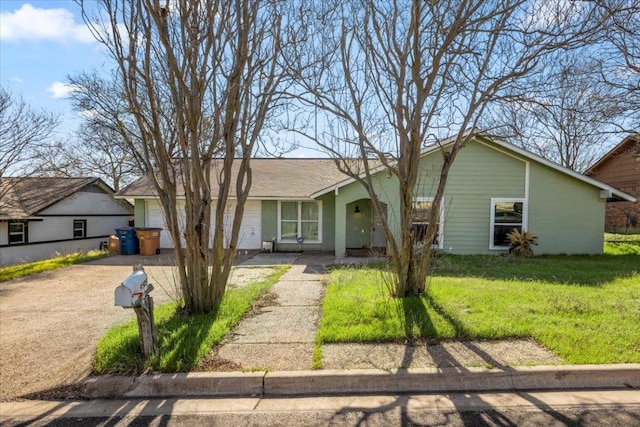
(135, 287)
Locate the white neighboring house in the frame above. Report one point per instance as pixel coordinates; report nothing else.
(42, 217)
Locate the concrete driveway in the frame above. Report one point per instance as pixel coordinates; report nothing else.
(50, 322)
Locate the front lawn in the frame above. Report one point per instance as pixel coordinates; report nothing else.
(183, 340)
(586, 309)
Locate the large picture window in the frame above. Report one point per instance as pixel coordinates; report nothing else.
(506, 215)
(17, 233)
(79, 229)
(420, 222)
(300, 219)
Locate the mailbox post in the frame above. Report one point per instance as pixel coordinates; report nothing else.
(133, 292)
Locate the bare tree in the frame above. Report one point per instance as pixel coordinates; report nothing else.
(102, 142)
(200, 80)
(622, 30)
(619, 54)
(569, 119)
(22, 129)
(584, 98)
(96, 151)
(390, 79)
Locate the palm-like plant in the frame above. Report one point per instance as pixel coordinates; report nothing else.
(521, 242)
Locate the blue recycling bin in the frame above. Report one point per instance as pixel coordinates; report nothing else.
(129, 244)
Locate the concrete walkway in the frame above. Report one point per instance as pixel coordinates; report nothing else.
(282, 335)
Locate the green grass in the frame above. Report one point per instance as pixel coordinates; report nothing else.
(21, 270)
(183, 340)
(615, 237)
(586, 309)
(620, 244)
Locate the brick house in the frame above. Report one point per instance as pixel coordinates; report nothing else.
(620, 168)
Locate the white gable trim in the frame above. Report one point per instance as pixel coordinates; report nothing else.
(588, 180)
(505, 147)
(380, 168)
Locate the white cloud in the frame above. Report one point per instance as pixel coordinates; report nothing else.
(61, 89)
(16, 79)
(32, 23)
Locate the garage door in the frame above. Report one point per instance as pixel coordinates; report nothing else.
(250, 229)
(154, 218)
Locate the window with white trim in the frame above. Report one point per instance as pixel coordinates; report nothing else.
(17, 233)
(506, 215)
(79, 228)
(420, 221)
(300, 219)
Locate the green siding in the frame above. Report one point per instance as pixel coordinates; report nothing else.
(269, 220)
(387, 190)
(139, 213)
(566, 214)
(478, 174)
(328, 222)
(270, 226)
(358, 225)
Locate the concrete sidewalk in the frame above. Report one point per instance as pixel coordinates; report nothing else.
(282, 335)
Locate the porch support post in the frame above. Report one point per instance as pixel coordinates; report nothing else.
(341, 227)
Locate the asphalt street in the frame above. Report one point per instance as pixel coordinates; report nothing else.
(571, 408)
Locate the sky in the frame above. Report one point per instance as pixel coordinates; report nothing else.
(41, 43)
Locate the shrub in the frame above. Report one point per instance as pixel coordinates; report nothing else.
(520, 243)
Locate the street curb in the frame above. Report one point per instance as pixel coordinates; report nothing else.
(365, 381)
(194, 384)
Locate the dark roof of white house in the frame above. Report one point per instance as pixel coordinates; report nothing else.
(22, 198)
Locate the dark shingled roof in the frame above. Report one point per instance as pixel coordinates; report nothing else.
(272, 178)
(24, 198)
